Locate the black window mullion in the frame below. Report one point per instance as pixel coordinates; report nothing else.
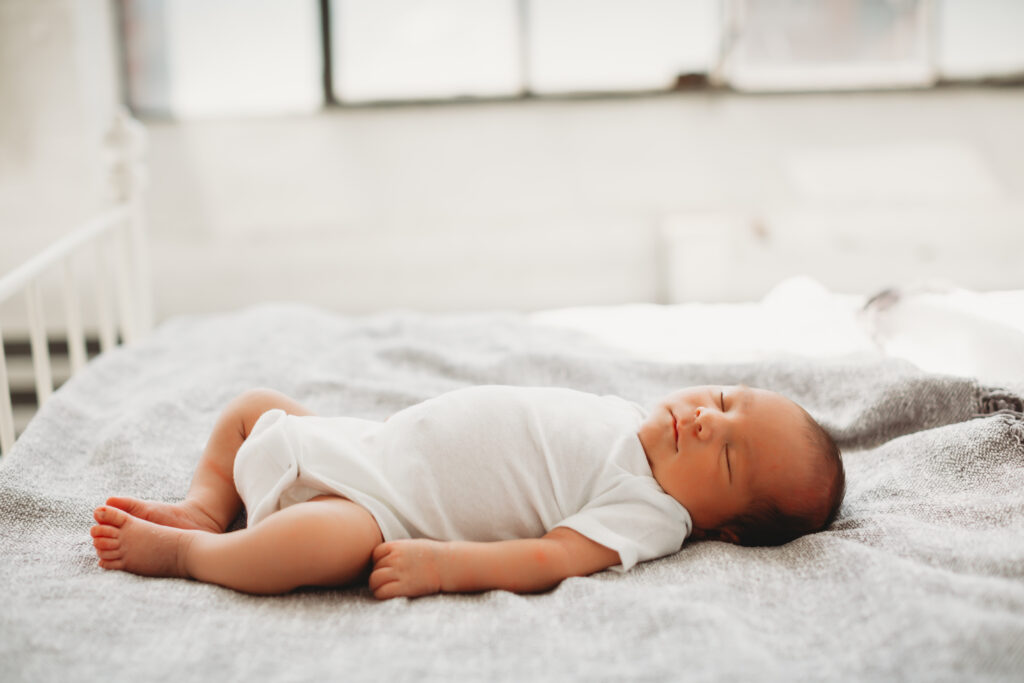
(325, 41)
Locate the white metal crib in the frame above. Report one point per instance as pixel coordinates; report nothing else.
(116, 240)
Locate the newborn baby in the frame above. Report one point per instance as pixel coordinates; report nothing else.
(484, 487)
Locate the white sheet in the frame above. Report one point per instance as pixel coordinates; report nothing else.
(939, 328)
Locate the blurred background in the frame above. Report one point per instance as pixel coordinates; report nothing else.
(446, 155)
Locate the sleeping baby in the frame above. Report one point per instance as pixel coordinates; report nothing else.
(485, 487)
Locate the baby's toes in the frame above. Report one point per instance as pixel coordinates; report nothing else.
(104, 531)
(109, 515)
(109, 554)
(106, 543)
(129, 505)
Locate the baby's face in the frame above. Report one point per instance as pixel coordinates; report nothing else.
(712, 448)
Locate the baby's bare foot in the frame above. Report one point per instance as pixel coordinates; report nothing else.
(183, 515)
(137, 546)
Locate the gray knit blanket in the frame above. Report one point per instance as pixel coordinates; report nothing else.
(920, 578)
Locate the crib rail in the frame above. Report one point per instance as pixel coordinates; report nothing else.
(115, 239)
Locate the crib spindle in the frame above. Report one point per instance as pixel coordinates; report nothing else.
(103, 315)
(40, 345)
(76, 336)
(142, 277)
(124, 283)
(133, 181)
(6, 410)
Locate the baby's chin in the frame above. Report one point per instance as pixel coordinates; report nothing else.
(649, 435)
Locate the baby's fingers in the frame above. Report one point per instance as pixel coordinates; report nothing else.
(391, 589)
(381, 551)
(399, 587)
(381, 576)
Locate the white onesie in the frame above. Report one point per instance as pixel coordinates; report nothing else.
(485, 463)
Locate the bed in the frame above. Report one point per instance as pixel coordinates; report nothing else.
(921, 577)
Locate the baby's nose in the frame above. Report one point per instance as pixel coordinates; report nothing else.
(701, 426)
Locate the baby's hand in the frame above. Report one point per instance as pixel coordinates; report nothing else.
(409, 568)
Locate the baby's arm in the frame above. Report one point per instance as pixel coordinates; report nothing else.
(420, 567)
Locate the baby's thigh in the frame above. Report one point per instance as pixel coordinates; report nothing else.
(348, 533)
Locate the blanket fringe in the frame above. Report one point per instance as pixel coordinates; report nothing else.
(1001, 402)
(1009, 407)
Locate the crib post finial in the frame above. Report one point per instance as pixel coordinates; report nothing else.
(126, 144)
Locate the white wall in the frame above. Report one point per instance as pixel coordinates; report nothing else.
(538, 204)
(58, 94)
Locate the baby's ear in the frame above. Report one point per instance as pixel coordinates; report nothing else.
(728, 536)
(724, 535)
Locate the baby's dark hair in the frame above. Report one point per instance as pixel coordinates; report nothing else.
(765, 523)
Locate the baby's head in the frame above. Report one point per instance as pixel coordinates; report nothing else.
(750, 466)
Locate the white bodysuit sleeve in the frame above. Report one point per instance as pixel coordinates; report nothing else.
(638, 521)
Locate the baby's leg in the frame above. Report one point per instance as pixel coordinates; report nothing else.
(212, 502)
(327, 541)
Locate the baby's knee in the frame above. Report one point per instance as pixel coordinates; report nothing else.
(260, 396)
(250, 404)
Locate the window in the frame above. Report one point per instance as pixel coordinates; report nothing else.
(416, 49)
(835, 45)
(196, 58)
